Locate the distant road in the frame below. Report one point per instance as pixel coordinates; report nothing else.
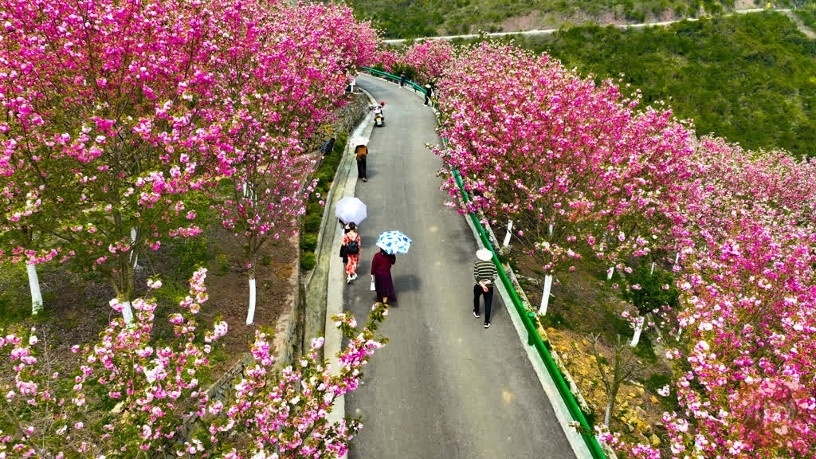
(810, 33)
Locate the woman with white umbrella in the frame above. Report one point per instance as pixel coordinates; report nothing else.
(350, 211)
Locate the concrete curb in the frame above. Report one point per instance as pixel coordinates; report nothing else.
(345, 183)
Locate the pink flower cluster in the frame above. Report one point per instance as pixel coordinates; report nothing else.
(580, 169)
(121, 114)
(154, 391)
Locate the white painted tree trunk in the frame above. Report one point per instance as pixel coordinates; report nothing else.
(550, 229)
(651, 271)
(609, 273)
(34, 285)
(638, 331)
(677, 258)
(134, 257)
(608, 413)
(509, 233)
(251, 310)
(127, 312)
(545, 297)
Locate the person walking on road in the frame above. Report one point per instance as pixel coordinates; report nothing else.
(353, 243)
(361, 152)
(428, 92)
(484, 273)
(381, 275)
(402, 79)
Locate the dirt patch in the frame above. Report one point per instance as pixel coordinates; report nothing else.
(77, 308)
(582, 304)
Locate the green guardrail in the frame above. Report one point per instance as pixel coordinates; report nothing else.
(396, 78)
(528, 318)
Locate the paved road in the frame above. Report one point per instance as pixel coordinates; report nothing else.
(810, 33)
(444, 387)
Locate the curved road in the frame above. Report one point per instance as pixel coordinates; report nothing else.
(443, 387)
(799, 24)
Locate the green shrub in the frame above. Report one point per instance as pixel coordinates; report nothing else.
(15, 303)
(189, 253)
(311, 223)
(308, 242)
(221, 262)
(307, 261)
(654, 289)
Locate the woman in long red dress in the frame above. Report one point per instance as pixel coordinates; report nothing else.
(381, 274)
(353, 244)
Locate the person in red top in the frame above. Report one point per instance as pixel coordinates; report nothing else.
(381, 275)
(353, 244)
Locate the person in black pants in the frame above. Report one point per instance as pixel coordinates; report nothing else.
(402, 79)
(484, 274)
(361, 152)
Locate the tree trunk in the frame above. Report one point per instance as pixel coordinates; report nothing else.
(638, 331)
(134, 256)
(123, 283)
(251, 310)
(127, 312)
(608, 412)
(609, 273)
(34, 285)
(545, 297)
(509, 233)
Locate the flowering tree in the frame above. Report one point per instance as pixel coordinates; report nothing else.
(534, 142)
(563, 158)
(104, 134)
(429, 59)
(286, 77)
(155, 393)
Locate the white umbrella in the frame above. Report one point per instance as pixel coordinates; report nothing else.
(358, 140)
(350, 209)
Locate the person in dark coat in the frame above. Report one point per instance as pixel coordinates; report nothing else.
(381, 275)
(402, 79)
(327, 146)
(428, 92)
(343, 254)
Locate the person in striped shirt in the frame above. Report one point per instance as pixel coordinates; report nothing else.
(484, 274)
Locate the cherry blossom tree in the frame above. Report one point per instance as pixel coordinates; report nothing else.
(131, 396)
(103, 126)
(429, 59)
(562, 158)
(558, 153)
(286, 77)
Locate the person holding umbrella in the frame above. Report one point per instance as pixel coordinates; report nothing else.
(381, 276)
(350, 211)
(390, 244)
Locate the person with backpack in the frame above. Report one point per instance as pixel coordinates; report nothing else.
(353, 244)
(360, 153)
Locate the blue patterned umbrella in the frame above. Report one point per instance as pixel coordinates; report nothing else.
(394, 242)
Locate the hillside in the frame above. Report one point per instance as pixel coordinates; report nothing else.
(423, 18)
